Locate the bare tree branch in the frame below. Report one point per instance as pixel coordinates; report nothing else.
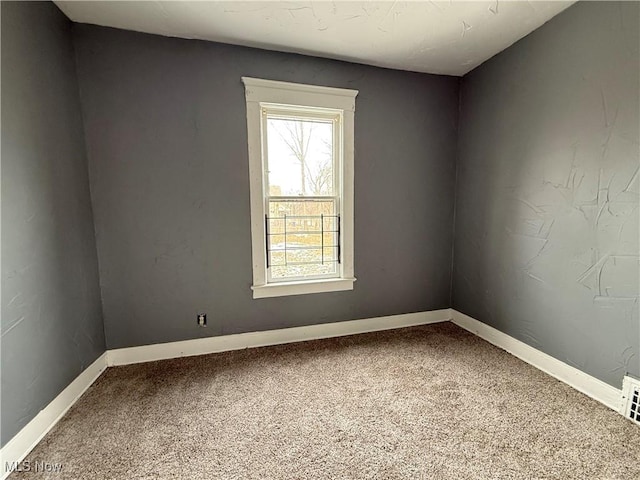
(298, 141)
(296, 135)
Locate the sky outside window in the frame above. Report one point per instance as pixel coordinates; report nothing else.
(300, 156)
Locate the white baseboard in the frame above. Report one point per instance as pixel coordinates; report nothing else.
(223, 343)
(20, 445)
(583, 382)
(27, 438)
(23, 442)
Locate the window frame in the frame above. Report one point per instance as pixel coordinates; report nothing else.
(261, 94)
(332, 116)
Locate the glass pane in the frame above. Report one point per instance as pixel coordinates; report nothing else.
(277, 258)
(300, 156)
(296, 210)
(303, 238)
(276, 241)
(330, 223)
(301, 271)
(330, 253)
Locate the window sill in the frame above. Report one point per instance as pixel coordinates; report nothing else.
(302, 288)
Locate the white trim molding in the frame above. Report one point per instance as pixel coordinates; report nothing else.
(273, 91)
(224, 343)
(269, 97)
(26, 439)
(583, 382)
(301, 288)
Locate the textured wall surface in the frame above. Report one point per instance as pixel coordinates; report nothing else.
(546, 234)
(51, 314)
(166, 135)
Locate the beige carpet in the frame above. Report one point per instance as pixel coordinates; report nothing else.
(430, 402)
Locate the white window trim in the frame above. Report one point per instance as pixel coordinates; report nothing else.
(335, 116)
(258, 91)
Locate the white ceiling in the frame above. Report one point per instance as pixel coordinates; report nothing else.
(445, 37)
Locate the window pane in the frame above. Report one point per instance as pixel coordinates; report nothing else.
(301, 271)
(277, 258)
(300, 156)
(303, 238)
(296, 212)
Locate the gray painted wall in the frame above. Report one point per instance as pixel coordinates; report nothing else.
(51, 315)
(546, 244)
(166, 136)
(546, 234)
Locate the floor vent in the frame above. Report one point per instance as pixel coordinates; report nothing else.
(631, 398)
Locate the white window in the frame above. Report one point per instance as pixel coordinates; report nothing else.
(301, 179)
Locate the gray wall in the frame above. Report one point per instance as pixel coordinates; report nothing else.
(546, 234)
(51, 315)
(546, 244)
(166, 136)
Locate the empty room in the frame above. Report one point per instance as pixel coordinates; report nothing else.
(320, 240)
